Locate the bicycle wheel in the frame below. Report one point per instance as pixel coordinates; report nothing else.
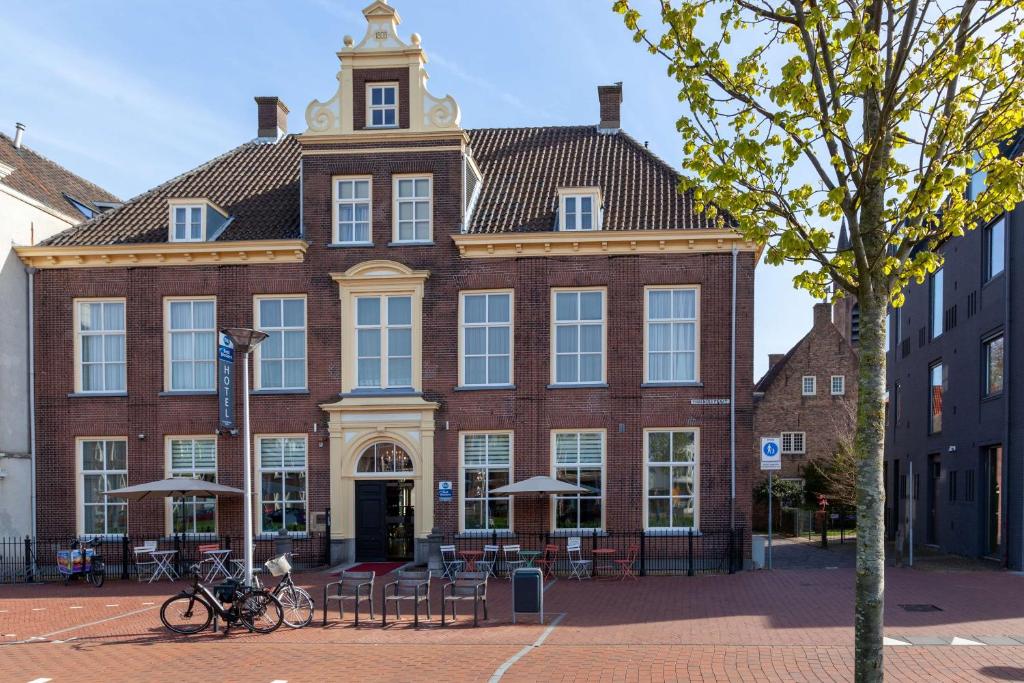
(260, 612)
(185, 614)
(297, 605)
(98, 574)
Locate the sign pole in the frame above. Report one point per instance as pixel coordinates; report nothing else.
(910, 506)
(247, 476)
(770, 487)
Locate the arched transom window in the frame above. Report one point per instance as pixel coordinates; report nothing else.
(384, 457)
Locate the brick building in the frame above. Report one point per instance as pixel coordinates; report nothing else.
(471, 307)
(808, 396)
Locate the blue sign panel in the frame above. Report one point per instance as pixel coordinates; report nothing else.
(226, 382)
(444, 491)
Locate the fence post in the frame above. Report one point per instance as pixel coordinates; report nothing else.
(732, 551)
(689, 552)
(643, 552)
(29, 574)
(327, 537)
(177, 554)
(124, 557)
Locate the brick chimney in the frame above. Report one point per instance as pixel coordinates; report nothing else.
(271, 118)
(610, 99)
(774, 359)
(822, 315)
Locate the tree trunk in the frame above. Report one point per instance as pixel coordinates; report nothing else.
(869, 440)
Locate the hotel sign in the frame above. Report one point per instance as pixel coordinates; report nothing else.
(226, 382)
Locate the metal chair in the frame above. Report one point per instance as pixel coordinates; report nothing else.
(144, 568)
(626, 565)
(489, 560)
(512, 560)
(450, 563)
(578, 567)
(548, 560)
(466, 586)
(355, 586)
(410, 585)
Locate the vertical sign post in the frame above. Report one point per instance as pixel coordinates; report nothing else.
(771, 460)
(225, 382)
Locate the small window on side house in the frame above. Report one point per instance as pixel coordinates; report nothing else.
(809, 386)
(838, 385)
(382, 105)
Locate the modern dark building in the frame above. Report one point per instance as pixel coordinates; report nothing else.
(954, 425)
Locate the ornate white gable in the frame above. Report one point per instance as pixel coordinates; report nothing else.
(382, 48)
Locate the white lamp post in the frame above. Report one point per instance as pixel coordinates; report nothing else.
(245, 340)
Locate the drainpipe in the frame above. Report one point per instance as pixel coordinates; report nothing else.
(32, 396)
(732, 402)
(1007, 393)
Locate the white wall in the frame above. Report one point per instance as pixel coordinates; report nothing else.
(19, 219)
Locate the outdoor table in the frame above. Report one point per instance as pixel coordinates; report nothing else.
(219, 559)
(163, 558)
(530, 556)
(606, 554)
(471, 556)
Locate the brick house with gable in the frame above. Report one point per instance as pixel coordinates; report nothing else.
(445, 306)
(808, 396)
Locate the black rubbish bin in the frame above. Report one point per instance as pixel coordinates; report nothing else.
(528, 592)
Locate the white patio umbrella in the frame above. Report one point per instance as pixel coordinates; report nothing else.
(540, 485)
(174, 487)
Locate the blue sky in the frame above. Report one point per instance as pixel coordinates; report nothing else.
(129, 94)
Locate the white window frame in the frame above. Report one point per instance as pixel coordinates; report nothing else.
(804, 391)
(281, 329)
(397, 201)
(553, 331)
(791, 438)
(168, 350)
(577, 194)
(188, 207)
(260, 469)
(696, 332)
(78, 344)
(695, 466)
(185, 472)
(463, 497)
(555, 466)
(384, 327)
(338, 202)
(107, 502)
(370, 107)
(464, 326)
(840, 388)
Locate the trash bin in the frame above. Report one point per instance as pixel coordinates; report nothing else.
(757, 550)
(528, 592)
(282, 543)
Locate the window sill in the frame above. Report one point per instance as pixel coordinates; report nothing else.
(396, 391)
(98, 394)
(678, 531)
(658, 385)
(412, 243)
(485, 533)
(348, 245)
(593, 385)
(486, 387)
(581, 533)
(280, 392)
(204, 536)
(271, 535)
(164, 394)
(991, 397)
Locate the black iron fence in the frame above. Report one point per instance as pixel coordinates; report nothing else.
(26, 559)
(687, 553)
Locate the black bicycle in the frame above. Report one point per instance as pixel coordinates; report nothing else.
(82, 560)
(191, 611)
(297, 603)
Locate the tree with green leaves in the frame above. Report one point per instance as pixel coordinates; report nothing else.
(799, 114)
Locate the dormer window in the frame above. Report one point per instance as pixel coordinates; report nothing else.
(579, 209)
(196, 220)
(188, 224)
(382, 105)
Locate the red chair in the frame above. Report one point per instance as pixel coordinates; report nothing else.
(626, 565)
(548, 560)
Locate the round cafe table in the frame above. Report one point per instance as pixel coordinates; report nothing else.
(605, 554)
(471, 556)
(530, 556)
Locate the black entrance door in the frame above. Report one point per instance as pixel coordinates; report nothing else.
(371, 528)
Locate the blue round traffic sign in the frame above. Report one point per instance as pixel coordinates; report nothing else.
(771, 449)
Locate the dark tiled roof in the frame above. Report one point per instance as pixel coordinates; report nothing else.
(258, 184)
(773, 372)
(524, 167)
(48, 182)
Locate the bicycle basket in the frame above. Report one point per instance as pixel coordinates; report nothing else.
(225, 592)
(278, 566)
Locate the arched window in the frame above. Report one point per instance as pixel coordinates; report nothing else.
(384, 457)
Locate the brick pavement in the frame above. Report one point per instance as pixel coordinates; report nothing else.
(792, 625)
